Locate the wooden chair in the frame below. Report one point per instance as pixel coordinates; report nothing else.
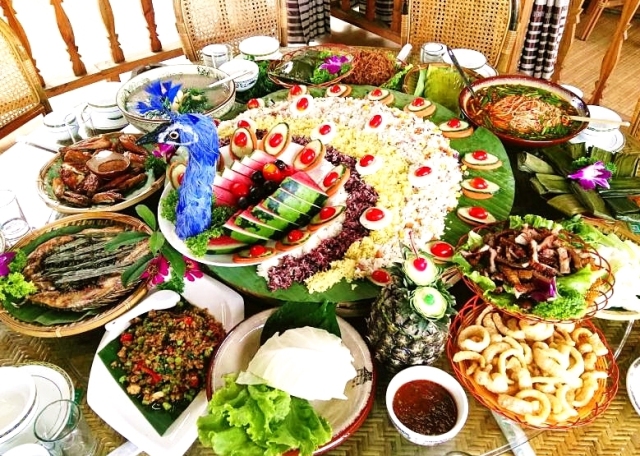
(592, 14)
(202, 22)
(482, 25)
(21, 96)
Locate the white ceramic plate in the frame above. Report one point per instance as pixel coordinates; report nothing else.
(487, 71)
(169, 231)
(600, 112)
(633, 384)
(612, 141)
(344, 416)
(467, 58)
(52, 384)
(259, 46)
(111, 403)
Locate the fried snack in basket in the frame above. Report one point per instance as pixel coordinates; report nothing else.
(539, 374)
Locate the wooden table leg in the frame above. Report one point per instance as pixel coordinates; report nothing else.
(568, 36)
(612, 56)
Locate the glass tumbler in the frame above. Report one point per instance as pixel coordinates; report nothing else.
(13, 223)
(63, 431)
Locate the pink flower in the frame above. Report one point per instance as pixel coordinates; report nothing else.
(165, 151)
(158, 269)
(192, 271)
(591, 176)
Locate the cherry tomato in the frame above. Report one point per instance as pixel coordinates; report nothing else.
(257, 250)
(307, 156)
(302, 104)
(244, 123)
(272, 173)
(276, 139)
(454, 123)
(335, 89)
(327, 212)
(479, 183)
(295, 235)
(330, 179)
(376, 93)
(423, 171)
(241, 139)
(478, 212)
(367, 160)
(375, 121)
(374, 214)
(253, 103)
(325, 129)
(418, 102)
(296, 90)
(239, 189)
(441, 249)
(479, 155)
(381, 276)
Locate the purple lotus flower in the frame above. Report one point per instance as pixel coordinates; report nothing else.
(164, 151)
(157, 270)
(591, 176)
(5, 259)
(334, 63)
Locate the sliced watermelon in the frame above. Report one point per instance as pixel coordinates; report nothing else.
(220, 181)
(243, 169)
(296, 203)
(286, 212)
(234, 176)
(224, 197)
(253, 225)
(240, 234)
(302, 186)
(261, 157)
(224, 244)
(254, 165)
(269, 218)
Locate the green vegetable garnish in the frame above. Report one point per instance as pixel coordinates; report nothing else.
(299, 314)
(198, 244)
(13, 286)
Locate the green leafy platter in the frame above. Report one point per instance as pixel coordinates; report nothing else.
(157, 431)
(51, 169)
(42, 321)
(246, 279)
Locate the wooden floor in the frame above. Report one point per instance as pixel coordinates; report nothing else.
(581, 68)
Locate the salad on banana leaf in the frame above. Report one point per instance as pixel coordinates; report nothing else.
(532, 266)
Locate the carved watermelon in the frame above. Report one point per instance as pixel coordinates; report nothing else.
(234, 176)
(261, 157)
(272, 219)
(243, 169)
(302, 186)
(240, 234)
(223, 196)
(247, 221)
(224, 244)
(254, 165)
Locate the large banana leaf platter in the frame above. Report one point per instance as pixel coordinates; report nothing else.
(246, 279)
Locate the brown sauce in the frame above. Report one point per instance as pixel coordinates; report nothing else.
(111, 166)
(425, 407)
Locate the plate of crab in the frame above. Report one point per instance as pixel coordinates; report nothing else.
(108, 172)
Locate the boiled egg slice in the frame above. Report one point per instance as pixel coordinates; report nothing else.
(338, 90)
(297, 90)
(421, 176)
(301, 105)
(369, 164)
(249, 124)
(325, 132)
(375, 218)
(255, 103)
(475, 215)
(378, 94)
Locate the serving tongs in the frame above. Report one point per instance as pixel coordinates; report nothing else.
(463, 75)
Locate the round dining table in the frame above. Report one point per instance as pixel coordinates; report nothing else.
(615, 432)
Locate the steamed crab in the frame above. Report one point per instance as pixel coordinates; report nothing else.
(77, 185)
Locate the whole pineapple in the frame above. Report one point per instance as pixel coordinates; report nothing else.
(409, 321)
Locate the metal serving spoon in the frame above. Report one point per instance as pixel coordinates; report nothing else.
(463, 75)
(231, 77)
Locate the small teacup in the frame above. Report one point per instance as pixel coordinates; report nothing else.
(214, 55)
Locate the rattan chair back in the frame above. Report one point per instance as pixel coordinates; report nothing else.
(202, 22)
(481, 25)
(634, 129)
(21, 96)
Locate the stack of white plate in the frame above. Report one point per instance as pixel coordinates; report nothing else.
(472, 60)
(602, 135)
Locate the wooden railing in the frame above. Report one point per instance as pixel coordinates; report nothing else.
(74, 43)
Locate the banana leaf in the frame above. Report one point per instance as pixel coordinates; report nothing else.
(550, 184)
(626, 165)
(246, 279)
(622, 205)
(568, 204)
(592, 201)
(529, 163)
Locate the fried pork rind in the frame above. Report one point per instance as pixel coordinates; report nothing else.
(541, 372)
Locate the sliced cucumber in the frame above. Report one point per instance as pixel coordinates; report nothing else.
(429, 302)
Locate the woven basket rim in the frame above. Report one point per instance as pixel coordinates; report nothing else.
(338, 48)
(59, 206)
(603, 287)
(586, 414)
(425, 66)
(110, 312)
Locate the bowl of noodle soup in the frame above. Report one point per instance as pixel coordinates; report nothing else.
(524, 111)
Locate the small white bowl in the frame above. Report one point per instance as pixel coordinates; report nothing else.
(247, 81)
(27, 449)
(467, 58)
(600, 112)
(17, 401)
(259, 46)
(61, 125)
(434, 375)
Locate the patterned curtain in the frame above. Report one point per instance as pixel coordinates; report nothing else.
(307, 20)
(542, 40)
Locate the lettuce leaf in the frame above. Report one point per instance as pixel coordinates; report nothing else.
(258, 420)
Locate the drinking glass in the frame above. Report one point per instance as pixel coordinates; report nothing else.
(13, 223)
(63, 431)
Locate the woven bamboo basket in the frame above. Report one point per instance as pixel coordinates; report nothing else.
(621, 229)
(600, 401)
(136, 291)
(335, 49)
(596, 297)
(46, 193)
(411, 78)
